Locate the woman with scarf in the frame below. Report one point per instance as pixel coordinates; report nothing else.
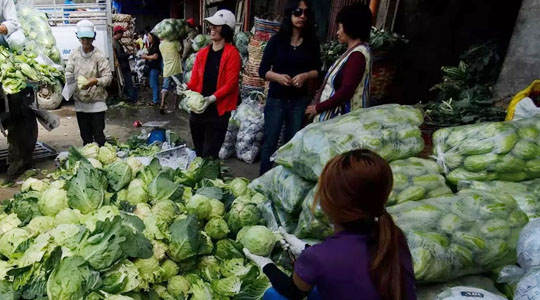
(346, 85)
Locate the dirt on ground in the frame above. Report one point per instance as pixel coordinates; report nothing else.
(119, 124)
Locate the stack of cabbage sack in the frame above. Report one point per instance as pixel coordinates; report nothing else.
(171, 29)
(416, 179)
(525, 278)
(431, 291)
(390, 130)
(39, 37)
(507, 151)
(471, 232)
(123, 230)
(526, 193)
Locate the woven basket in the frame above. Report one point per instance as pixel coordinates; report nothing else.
(382, 75)
(265, 29)
(252, 81)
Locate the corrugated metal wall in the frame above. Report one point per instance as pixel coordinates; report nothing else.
(337, 5)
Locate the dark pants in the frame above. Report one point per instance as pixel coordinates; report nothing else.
(208, 131)
(276, 113)
(91, 126)
(129, 88)
(22, 129)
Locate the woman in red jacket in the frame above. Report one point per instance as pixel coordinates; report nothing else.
(215, 75)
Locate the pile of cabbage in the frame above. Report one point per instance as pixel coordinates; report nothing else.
(38, 33)
(17, 69)
(108, 228)
(241, 41)
(390, 130)
(506, 151)
(171, 29)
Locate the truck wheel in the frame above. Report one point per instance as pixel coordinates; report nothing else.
(50, 96)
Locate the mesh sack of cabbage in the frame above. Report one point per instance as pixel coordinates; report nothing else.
(312, 222)
(526, 193)
(430, 291)
(200, 41)
(471, 232)
(284, 188)
(39, 37)
(390, 130)
(416, 179)
(506, 151)
(525, 278)
(275, 217)
(171, 29)
(250, 134)
(228, 148)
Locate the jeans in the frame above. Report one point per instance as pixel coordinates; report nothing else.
(128, 85)
(272, 294)
(169, 83)
(276, 113)
(154, 84)
(3, 41)
(91, 126)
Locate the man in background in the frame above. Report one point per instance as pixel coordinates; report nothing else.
(122, 58)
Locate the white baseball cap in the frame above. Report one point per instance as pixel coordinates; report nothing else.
(85, 29)
(222, 17)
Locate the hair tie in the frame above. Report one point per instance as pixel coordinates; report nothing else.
(382, 214)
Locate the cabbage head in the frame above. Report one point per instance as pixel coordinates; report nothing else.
(185, 239)
(149, 270)
(95, 163)
(218, 208)
(52, 201)
(195, 101)
(119, 175)
(217, 228)
(10, 240)
(137, 192)
(107, 154)
(199, 206)
(165, 211)
(90, 151)
(259, 240)
(178, 286)
(209, 268)
(228, 249)
(239, 186)
(142, 210)
(33, 184)
(243, 214)
(40, 224)
(135, 165)
(169, 269)
(122, 278)
(227, 287)
(68, 216)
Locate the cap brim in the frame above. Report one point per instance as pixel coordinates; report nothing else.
(85, 34)
(215, 21)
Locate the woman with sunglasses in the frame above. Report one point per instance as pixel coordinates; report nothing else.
(215, 75)
(346, 85)
(291, 59)
(367, 257)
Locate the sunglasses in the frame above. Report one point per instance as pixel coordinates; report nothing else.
(299, 12)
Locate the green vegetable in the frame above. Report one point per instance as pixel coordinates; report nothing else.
(52, 201)
(259, 240)
(185, 239)
(217, 228)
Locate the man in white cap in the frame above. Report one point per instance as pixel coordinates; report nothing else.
(91, 69)
(8, 19)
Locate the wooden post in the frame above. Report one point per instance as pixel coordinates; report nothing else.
(386, 14)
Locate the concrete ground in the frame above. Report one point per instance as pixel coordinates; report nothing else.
(119, 124)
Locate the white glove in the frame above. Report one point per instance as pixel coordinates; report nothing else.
(181, 88)
(260, 261)
(210, 99)
(292, 242)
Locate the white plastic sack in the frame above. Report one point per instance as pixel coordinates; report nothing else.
(228, 148)
(16, 41)
(467, 293)
(526, 109)
(250, 134)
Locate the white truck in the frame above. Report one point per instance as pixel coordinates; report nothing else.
(63, 19)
